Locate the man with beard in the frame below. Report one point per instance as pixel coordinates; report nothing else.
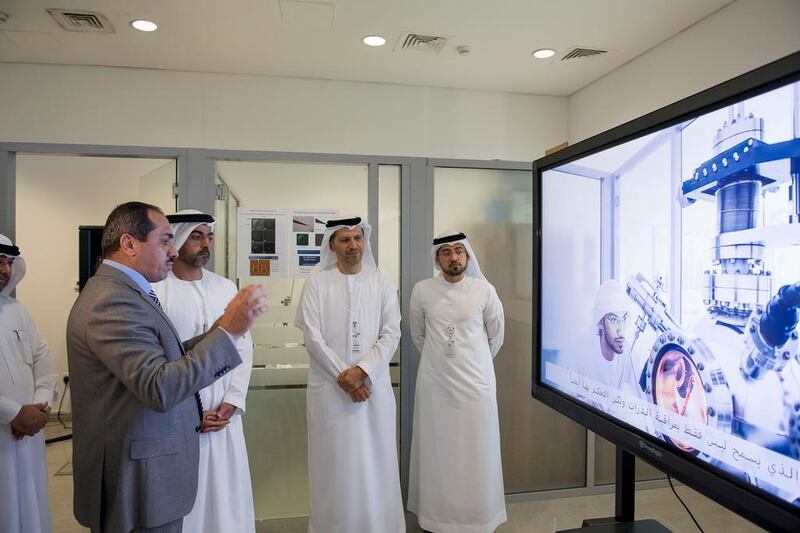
(610, 314)
(457, 324)
(27, 385)
(193, 298)
(602, 355)
(135, 410)
(351, 325)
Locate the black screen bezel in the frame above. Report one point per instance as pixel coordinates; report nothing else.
(761, 508)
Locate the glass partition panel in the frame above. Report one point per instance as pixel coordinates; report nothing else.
(55, 195)
(494, 209)
(275, 424)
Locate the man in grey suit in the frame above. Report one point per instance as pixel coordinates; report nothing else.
(135, 407)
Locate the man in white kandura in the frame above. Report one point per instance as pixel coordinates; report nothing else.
(27, 386)
(456, 475)
(351, 325)
(193, 298)
(604, 353)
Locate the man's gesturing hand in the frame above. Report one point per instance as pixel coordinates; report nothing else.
(243, 310)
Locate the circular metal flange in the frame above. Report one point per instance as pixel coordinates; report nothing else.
(759, 357)
(684, 377)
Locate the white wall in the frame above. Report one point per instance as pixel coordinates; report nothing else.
(155, 187)
(101, 105)
(740, 37)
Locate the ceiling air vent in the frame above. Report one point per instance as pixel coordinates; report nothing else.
(582, 53)
(82, 21)
(423, 43)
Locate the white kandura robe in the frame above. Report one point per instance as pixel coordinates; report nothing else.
(352, 448)
(456, 475)
(27, 376)
(585, 357)
(224, 501)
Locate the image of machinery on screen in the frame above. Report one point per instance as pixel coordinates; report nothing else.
(671, 287)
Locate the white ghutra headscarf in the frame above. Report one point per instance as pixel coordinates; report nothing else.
(610, 298)
(473, 269)
(328, 257)
(8, 249)
(185, 222)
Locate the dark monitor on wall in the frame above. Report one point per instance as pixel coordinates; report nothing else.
(667, 290)
(90, 252)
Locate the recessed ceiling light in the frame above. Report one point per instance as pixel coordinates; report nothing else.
(544, 53)
(373, 40)
(144, 25)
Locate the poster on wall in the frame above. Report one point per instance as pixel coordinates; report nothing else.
(308, 228)
(261, 239)
(280, 242)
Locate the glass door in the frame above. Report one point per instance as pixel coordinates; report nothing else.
(271, 238)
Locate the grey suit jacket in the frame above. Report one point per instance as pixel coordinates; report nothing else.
(134, 411)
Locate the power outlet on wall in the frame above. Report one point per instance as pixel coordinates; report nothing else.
(64, 404)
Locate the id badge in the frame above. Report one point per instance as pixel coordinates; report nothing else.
(450, 349)
(356, 338)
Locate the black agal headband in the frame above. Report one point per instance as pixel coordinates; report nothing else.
(449, 238)
(343, 222)
(9, 250)
(190, 217)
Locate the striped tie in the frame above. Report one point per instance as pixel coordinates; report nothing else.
(153, 297)
(197, 398)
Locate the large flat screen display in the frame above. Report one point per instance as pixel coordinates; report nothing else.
(670, 287)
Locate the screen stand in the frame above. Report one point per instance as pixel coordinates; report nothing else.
(625, 490)
(625, 498)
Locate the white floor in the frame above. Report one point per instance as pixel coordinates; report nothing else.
(523, 517)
